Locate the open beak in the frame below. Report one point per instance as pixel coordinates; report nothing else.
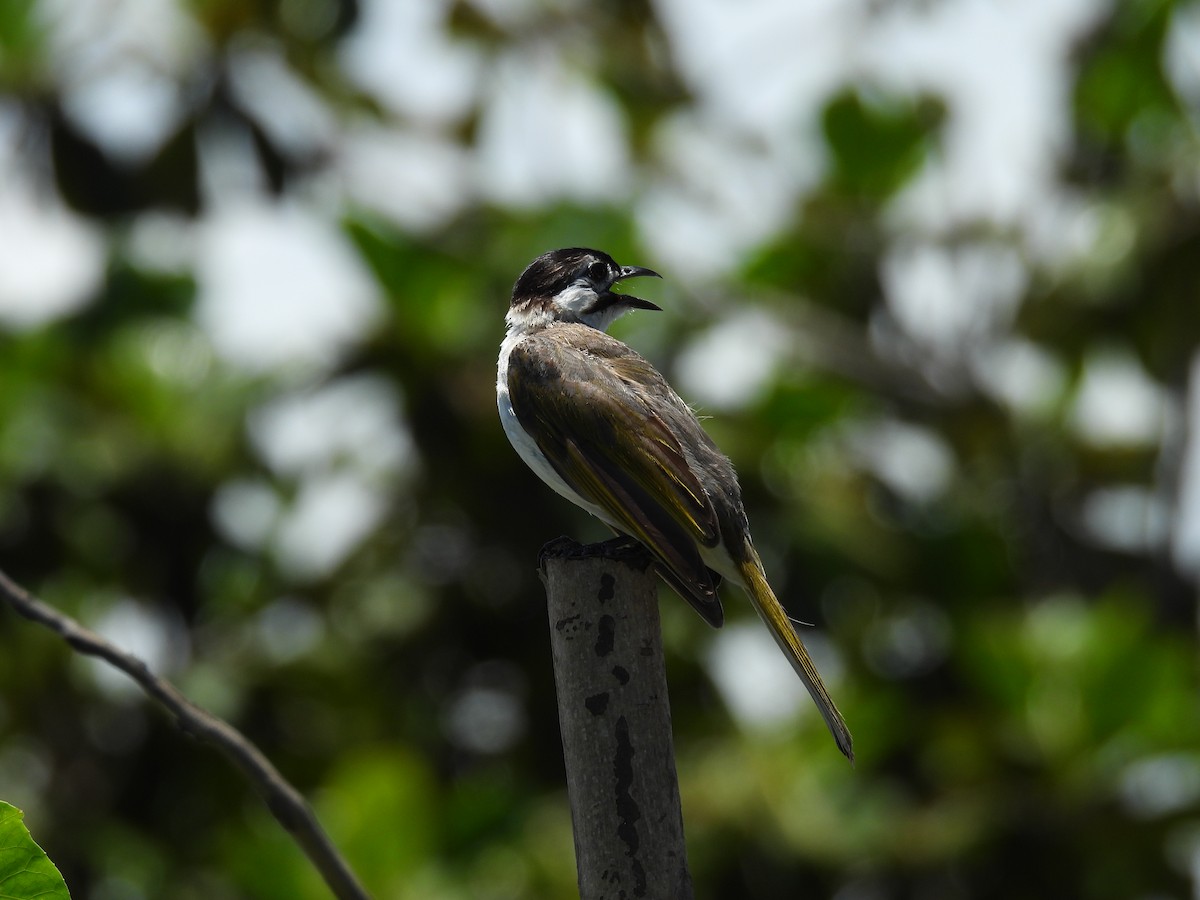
(637, 272)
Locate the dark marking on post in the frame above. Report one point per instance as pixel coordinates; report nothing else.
(567, 622)
(606, 633)
(615, 722)
(627, 807)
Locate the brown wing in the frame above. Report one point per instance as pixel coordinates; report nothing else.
(606, 421)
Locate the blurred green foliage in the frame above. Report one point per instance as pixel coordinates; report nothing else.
(1023, 694)
(876, 146)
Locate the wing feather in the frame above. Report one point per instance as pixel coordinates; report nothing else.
(581, 404)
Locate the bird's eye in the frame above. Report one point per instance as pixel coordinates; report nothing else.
(598, 271)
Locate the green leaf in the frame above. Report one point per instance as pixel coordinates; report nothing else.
(878, 142)
(25, 871)
(1121, 79)
(21, 39)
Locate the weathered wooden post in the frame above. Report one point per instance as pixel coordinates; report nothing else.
(616, 721)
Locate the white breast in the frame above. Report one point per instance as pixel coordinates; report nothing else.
(525, 446)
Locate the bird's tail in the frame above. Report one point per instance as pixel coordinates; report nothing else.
(789, 642)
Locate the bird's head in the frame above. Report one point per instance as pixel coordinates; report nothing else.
(574, 285)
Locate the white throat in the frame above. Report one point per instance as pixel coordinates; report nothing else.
(520, 324)
(570, 305)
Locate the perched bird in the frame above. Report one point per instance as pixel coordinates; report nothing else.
(601, 426)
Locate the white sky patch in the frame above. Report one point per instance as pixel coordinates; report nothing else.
(729, 364)
(290, 111)
(725, 193)
(913, 461)
(1182, 55)
(947, 298)
(548, 131)
(149, 633)
(1071, 231)
(1026, 378)
(130, 110)
(329, 518)
(120, 65)
(767, 65)
(161, 241)
(246, 512)
(84, 38)
(402, 54)
(51, 260)
(686, 233)
(230, 171)
(1064, 231)
(417, 181)
(1117, 403)
(346, 444)
(485, 719)
(281, 286)
(739, 165)
(1004, 71)
(1128, 518)
(1160, 785)
(753, 676)
(512, 14)
(353, 422)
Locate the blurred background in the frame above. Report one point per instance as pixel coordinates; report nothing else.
(931, 266)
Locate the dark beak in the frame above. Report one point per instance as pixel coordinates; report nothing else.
(637, 272)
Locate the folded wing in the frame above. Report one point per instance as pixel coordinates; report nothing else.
(603, 417)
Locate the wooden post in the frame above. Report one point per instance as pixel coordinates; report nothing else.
(616, 721)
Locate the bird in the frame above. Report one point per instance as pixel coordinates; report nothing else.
(602, 427)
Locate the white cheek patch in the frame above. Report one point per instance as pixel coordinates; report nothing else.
(577, 298)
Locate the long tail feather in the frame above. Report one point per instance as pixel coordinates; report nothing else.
(789, 642)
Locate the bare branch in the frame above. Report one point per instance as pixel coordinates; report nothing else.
(286, 804)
